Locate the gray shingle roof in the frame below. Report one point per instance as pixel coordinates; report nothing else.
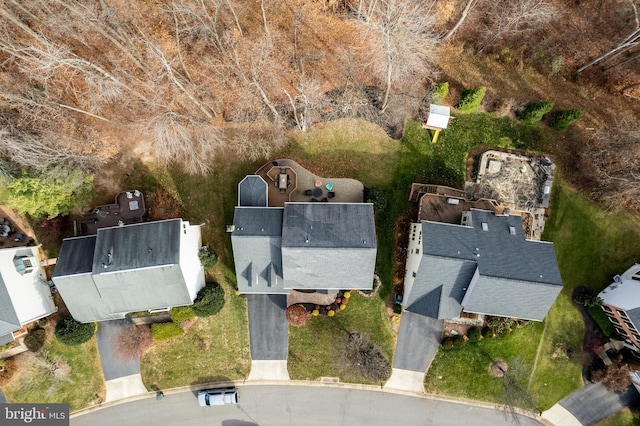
(328, 246)
(9, 321)
(439, 287)
(133, 267)
(137, 246)
(517, 278)
(76, 256)
(252, 191)
(256, 242)
(634, 316)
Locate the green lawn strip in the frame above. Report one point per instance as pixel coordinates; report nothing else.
(215, 349)
(81, 386)
(315, 349)
(464, 372)
(621, 418)
(590, 243)
(556, 374)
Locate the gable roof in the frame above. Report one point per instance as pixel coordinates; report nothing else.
(512, 276)
(328, 246)
(9, 321)
(137, 246)
(76, 256)
(252, 191)
(129, 268)
(256, 242)
(24, 293)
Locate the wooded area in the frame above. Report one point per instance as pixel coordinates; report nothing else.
(185, 80)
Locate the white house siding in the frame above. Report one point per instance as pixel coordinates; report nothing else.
(190, 243)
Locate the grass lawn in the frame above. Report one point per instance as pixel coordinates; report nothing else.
(464, 372)
(622, 418)
(81, 386)
(315, 348)
(215, 349)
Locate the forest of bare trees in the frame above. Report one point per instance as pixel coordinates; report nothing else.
(185, 80)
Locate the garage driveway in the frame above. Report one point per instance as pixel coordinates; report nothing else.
(122, 376)
(591, 404)
(268, 336)
(418, 342)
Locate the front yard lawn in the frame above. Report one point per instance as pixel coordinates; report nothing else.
(75, 378)
(315, 349)
(214, 349)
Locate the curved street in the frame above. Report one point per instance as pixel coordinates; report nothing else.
(266, 405)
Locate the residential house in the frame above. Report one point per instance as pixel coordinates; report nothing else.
(482, 266)
(303, 246)
(621, 303)
(137, 267)
(25, 295)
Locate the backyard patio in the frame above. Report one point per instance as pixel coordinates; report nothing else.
(288, 181)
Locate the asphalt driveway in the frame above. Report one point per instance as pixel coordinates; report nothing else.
(113, 366)
(418, 341)
(594, 403)
(122, 375)
(268, 327)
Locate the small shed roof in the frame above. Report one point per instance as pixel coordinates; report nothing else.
(438, 117)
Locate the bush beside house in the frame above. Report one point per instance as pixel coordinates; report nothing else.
(165, 330)
(209, 301)
(71, 332)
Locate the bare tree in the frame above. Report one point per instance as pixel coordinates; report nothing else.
(629, 43)
(400, 38)
(614, 377)
(173, 136)
(509, 17)
(515, 396)
(613, 156)
(463, 16)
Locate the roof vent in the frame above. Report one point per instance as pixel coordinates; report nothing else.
(512, 230)
(485, 226)
(617, 279)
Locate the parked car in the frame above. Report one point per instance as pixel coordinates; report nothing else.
(220, 396)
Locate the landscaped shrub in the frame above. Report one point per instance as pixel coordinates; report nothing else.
(315, 313)
(534, 111)
(297, 315)
(564, 118)
(35, 339)
(458, 341)
(331, 313)
(487, 332)
(447, 343)
(132, 341)
(181, 313)
(208, 259)
(364, 356)
(347, 294)
(439, 92)
(71, 332)
(165, 330)
(500, 324)
(471, 99)
(209, 301)
(397, 308)
(474, 334)
(343, 307)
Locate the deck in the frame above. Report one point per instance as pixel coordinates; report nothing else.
(129, 207)
(301, 185)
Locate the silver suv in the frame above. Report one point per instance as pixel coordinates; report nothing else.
(221, 396)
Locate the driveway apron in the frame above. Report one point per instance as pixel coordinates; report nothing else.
(122, 376)
(418, 341)
(594, 403)
(268, 336)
